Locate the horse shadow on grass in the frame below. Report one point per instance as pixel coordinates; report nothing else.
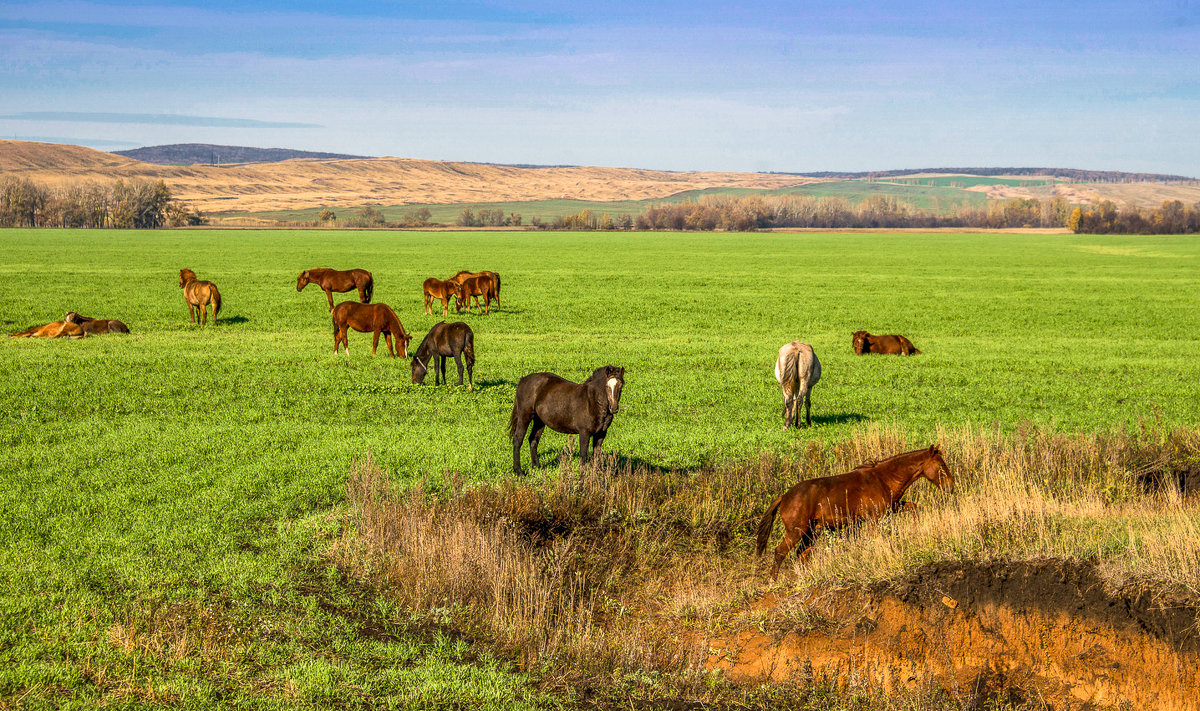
(232, 320)
(839, 418)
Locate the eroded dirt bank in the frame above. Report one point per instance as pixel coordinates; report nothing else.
(1018, 631)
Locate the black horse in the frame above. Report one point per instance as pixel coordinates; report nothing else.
(585, 409)
(444, 340)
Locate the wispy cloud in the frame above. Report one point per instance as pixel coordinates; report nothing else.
(153, 119)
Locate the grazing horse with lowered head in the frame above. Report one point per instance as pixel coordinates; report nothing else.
(797, 370)
(57, 329)
(867, 492)
(96, 326)
(198, 295)
(443, 341)
(585, 409)
(438, 289)
(368, 318)
(331, 280)
(473, 288)
(888, 345)
(464, 275)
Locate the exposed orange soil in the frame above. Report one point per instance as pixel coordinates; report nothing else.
(304, 183)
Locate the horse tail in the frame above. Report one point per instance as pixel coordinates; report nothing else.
(469, 349)
(765, 526)
(369, 289)
(512, 420)
(790, 375)
(216, 301)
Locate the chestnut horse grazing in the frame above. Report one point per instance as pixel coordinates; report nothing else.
(443, 341)
(473, 288)
(367, 318)
(585, 409)
(331, 280)
(797, 370)
(464, 275)
(889, 345)
(867, 492)
(198, 295)
(57, 329)
(96, 326)
(438, 289)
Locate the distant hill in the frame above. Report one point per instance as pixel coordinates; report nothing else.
(1083, 176)
(208, 154)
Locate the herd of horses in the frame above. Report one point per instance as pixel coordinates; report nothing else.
(586, 409)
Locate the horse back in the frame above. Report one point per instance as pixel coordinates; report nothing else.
(564, 406)
(837, 500)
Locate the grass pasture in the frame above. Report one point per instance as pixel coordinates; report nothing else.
(169, 496)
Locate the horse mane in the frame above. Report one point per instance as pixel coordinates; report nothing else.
(894, 457)
(425, 341)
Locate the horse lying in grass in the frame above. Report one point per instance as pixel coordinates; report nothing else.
(797, 370)
(96, 326)
(887, 345)
(464, 275)
(369, 318)
(444, 290)
(331, 280)
(443, 341)
(867, 492)
(198, 295)
(57, 329)
(585, 409)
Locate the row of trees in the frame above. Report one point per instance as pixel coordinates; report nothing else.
(1172, 218)
(487, 217)
(125, 204)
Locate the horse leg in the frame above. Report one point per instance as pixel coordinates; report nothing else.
(445, 307)
(329, 296)
(536, 427)
(807, 408)
(585, 439)
(204, 314)
(518, 436)
(387, 338)
(458, 362)
(791, 535)
(428, 303)
(191, 313)
(787, 414)
(470, 375)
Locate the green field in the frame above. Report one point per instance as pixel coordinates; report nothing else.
(185, 479)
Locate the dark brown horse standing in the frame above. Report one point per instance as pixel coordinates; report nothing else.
(331, 280)
(867, 492)
(438, 289)
(198, 295)
(96, 326)
(368, 318)
(888, 345)
(464, 275)
(585, 409)
(443, 341)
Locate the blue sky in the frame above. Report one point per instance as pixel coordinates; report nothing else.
(783, 86)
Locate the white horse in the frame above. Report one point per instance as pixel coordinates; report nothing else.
(797, 370)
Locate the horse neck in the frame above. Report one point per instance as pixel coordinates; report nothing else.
(900, 475)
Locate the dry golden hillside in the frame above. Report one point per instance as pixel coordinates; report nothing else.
(304, 183)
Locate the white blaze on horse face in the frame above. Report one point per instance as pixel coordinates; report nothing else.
(612, 390)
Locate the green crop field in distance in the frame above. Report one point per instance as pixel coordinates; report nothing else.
(188, 479)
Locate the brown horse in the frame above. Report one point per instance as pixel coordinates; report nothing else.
(585, 409)
(443, 341)
(438, 289)
(367, 318)
(96, 326)
(464, 275)
(198, 295)
(867, 492)
(797, 370)
(331, 280)
(57, 329)
(475, 287)
(888, 345)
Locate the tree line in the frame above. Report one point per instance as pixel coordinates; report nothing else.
(125, 204)
(1172, 218)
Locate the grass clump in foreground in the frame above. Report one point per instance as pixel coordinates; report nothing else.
(612, 582)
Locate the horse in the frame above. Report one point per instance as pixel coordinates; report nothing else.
(438, 289)
(57, 329)
(585, 409)
(331, 280)
(442, 341)
(889, 345)
(797, 370)
(366, 318)
(474, 287)
(95, 327)
(198, 294)
(866, 492)
(463, 275)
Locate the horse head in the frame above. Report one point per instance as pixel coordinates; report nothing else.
(73, 317)
(419, 370)
(460, 293)
(404, 338)
(861, 344)
(186, 275)
(614, 380)
(302, 280)
(935, 470)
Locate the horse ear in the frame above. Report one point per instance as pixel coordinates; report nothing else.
(933, 449)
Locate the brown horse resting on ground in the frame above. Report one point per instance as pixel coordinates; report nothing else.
(867, 492)
(438, 289)
(464, 275)
(585, 409)
(367, 318)
(443, 341)
(96, 326)
(57, 329)
(331, 280)
(199, 294)
(888, 345)
(475, 287)
(797, 370)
